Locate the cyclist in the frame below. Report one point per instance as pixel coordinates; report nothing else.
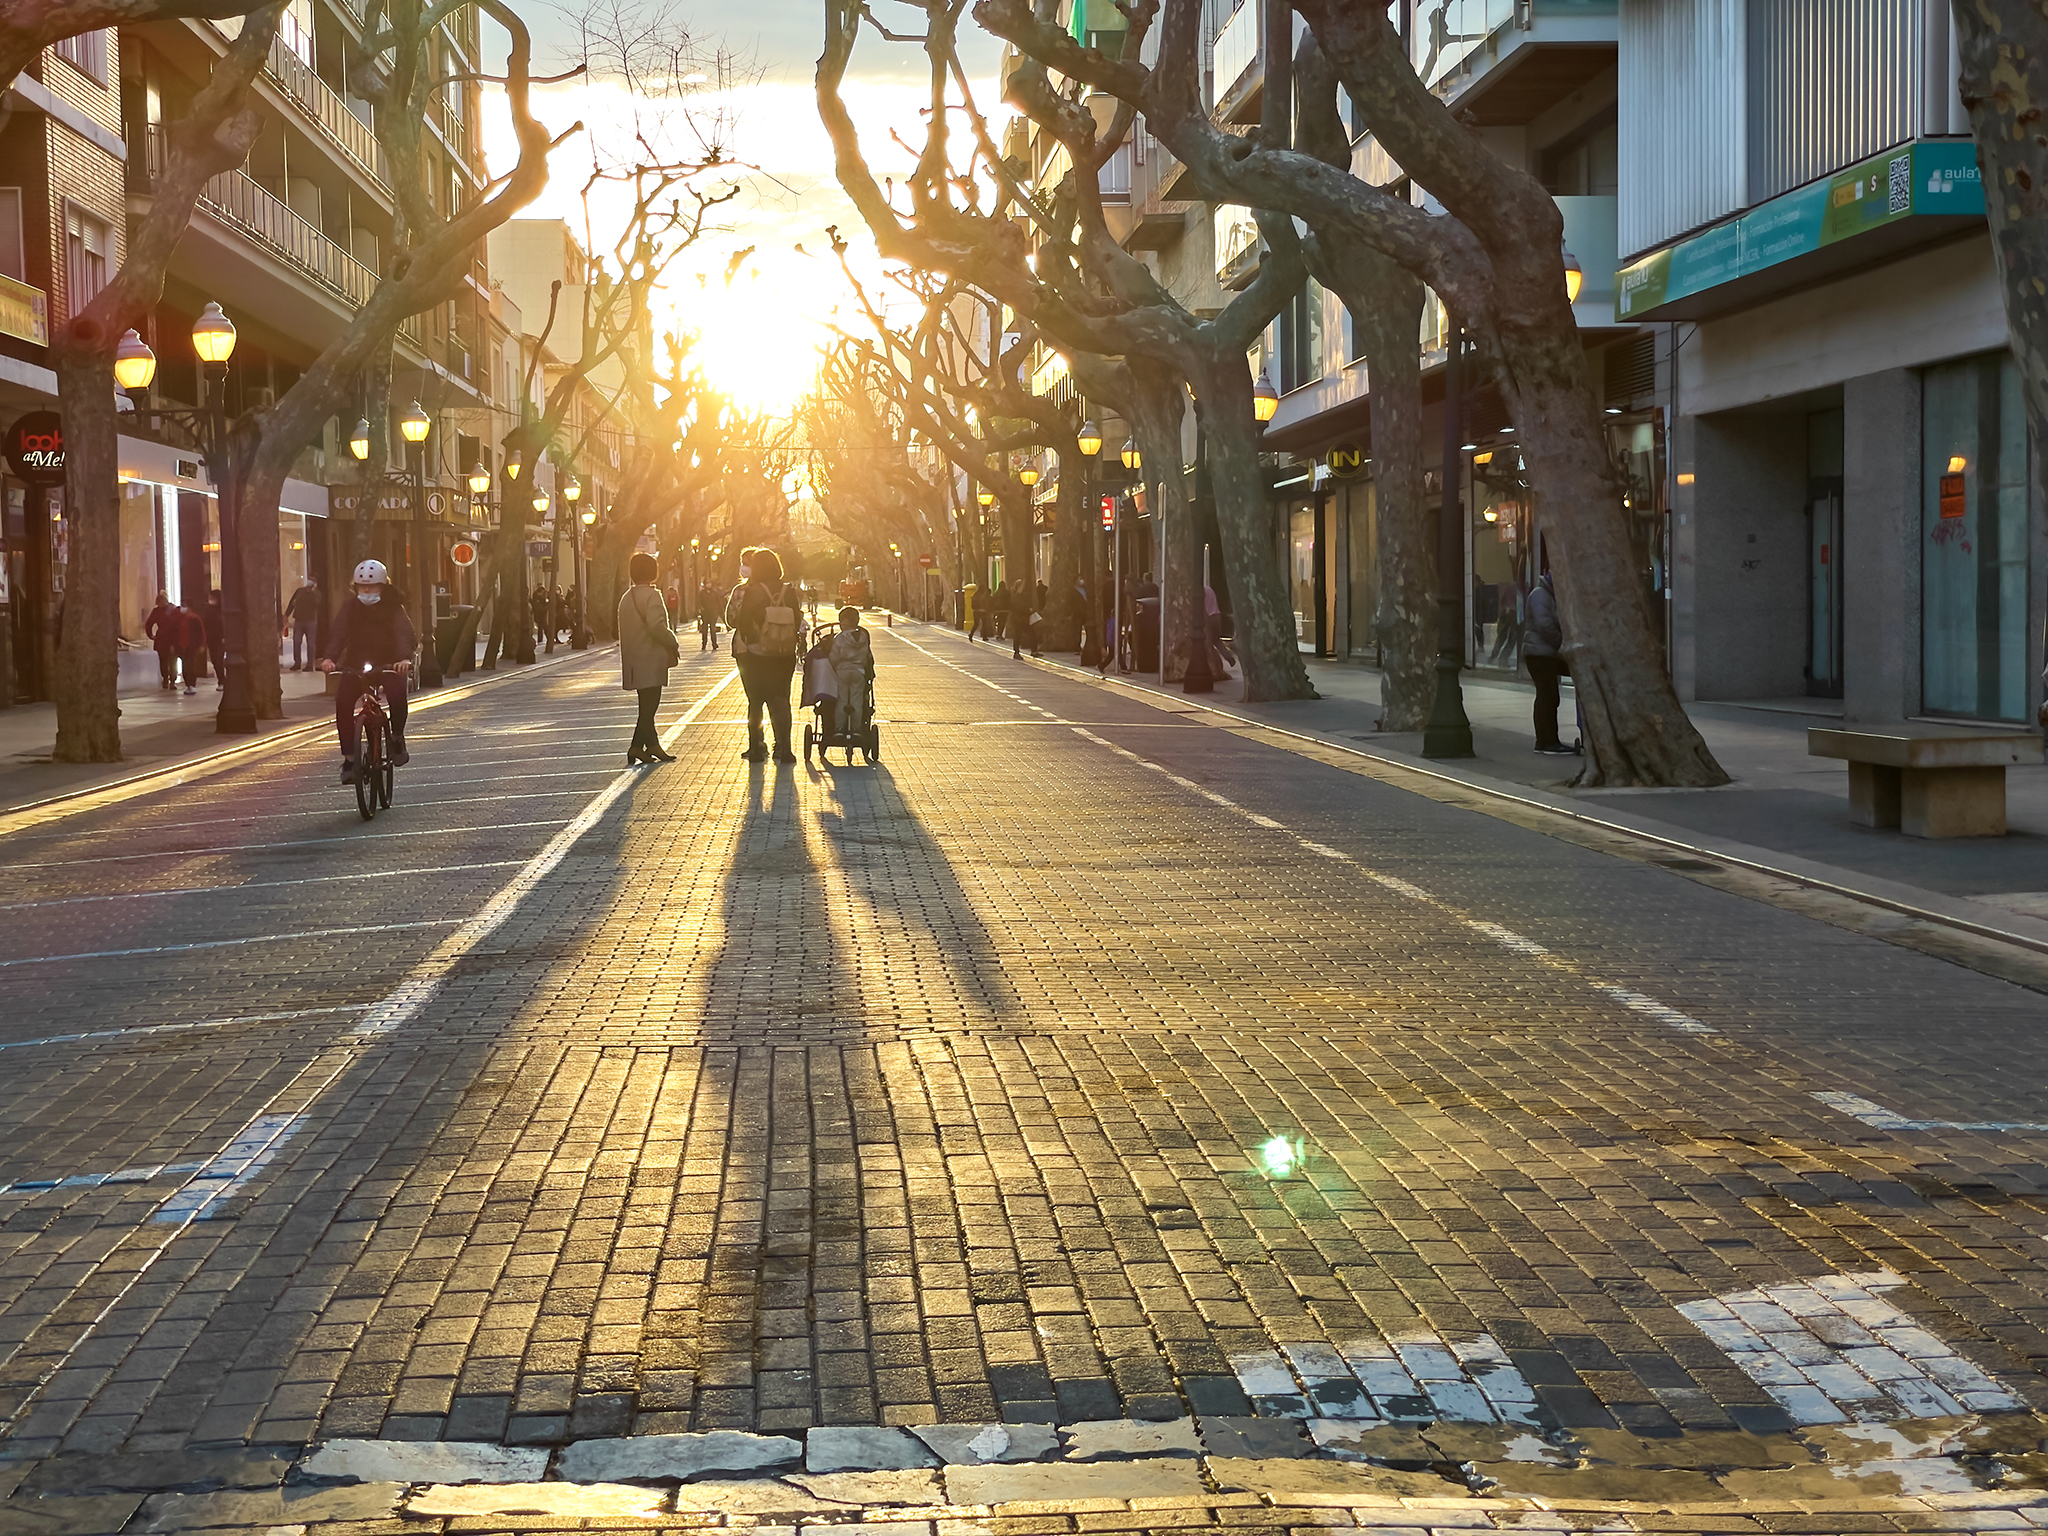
(374, 631)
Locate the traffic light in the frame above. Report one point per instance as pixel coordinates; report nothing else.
(1108, 513)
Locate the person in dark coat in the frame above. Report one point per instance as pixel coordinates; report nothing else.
(217, 637)
(1543, 652)
(165, 629)
(998, 610)
(302, 613)
(767, 638)
(191, 646)
(373, 630)
(647, 649)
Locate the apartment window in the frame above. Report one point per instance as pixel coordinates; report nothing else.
(87, 52)
(1587, 164)
(13, 252)
(87, 244)
(1301, 338)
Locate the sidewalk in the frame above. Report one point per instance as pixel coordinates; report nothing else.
(1786, 811)
(158, 730)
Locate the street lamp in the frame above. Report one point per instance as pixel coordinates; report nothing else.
(414, 426)
(1265, 399)
(359, 441)
(1448, 731)
(1132, 458)
(572, 492)
(479, 481)
(134, 363)
(513, 465)
(1574, 277)
(1028, 474)
(1089, 441)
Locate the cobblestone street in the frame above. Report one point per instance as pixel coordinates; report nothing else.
(1196, 1121)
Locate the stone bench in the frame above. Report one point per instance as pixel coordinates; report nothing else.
(1925, 781)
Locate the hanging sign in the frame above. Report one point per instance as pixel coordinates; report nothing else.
(463, 553)
(34, 445)
(1954, 500)
(1346, 460)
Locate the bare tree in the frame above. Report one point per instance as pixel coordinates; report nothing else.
(1495, 258)
(27, 27)
(1083, 291)
(213, 136)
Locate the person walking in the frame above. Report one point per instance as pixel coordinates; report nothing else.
(191, 646)
(302, 613)
(1024, 619)
(998, 611)
(217, 638)
(1543, 651)
(538, 604)
(763, 617)
(165, 629)
(647, 649)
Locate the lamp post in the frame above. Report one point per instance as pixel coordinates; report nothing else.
(1089, 441)
(414, 426)
(213, 340)
(572, 492)
(540, 510)
(1448, 732)
(902, 605)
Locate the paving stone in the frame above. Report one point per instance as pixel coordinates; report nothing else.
(268, 1507)
(977, 1444)
(675, 1458)
(1033, 1482)
(1124, 1439)
(753, 1496)
(915, 1486)
(582, 1501)
(193, 1471)
(842, 1449)
(1394, 1443)
(1326, 1481)
(1255, 1438)
(424, 1461)
(55, 1515)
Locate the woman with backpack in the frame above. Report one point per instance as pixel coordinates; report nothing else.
(764, 618)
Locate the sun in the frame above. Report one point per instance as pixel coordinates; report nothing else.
(758, 338)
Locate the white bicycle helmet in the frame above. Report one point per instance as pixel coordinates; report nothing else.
(372, 571)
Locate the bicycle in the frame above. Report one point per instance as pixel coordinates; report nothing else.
(373, 766)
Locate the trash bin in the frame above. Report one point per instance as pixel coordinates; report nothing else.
(450, 633)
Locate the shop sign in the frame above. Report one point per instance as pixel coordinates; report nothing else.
(34, 445)
(1954, 501)
(393, 502)
(1347, 460)
(1108, 513)
(24, 312)
(538, 549)
(463, 553)
(1926, 178)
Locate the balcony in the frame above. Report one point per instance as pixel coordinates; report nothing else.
(1235, 65)
(1115, 176)
(324, 105)
(242, 203)
(1238, 248)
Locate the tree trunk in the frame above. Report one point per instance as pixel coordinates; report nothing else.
(377, 412)
(1062, 628)
(259, 486)
(1020, 565)
(2002, 59)
(1157, 404)
(86, 679)
(1385, 302)
(1266, 647)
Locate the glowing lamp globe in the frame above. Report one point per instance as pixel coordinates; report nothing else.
(213, 335)
(572, 489)
(1090, 439)
(134, 363)
(589, 518)
(1028, 475)
(986, 498)
(1265, 398)
(513, 466)
(414, 424)
(359, 440)
(479, 480)
(540, 501)
(1574, 278)
(1132, 458)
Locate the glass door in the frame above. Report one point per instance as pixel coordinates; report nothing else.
(1824, 589)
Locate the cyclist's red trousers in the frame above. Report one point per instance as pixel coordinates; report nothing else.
(350, 689)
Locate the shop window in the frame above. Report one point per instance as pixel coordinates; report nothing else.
(1973, 545)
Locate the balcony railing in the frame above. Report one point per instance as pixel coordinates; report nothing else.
(1448, 31)
(236, 199)
(325, 106)
(1115, 176)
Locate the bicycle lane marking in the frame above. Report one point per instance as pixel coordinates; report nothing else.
(257, 1143)
(1507, 938)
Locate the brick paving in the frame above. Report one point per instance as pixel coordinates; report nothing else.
(1071, 1064)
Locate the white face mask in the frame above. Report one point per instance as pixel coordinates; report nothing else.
(372, 598)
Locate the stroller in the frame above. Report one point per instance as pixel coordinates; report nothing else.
(823, 730)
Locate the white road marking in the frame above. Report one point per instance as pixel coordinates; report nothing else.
(254, 938)
(263, 885)
(1663, 1013)
(92, 1180)
(1507, 938)
(164, 1029)
(1828, 1351)
(1412, 1377)
(1880, 1118)
(232, 1169)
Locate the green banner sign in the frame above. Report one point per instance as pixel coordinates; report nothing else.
(1936, 177)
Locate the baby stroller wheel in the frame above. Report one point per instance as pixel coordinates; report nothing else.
(872, 747)
(810, 739)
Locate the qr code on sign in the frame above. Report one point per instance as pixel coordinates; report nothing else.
(1901, 185)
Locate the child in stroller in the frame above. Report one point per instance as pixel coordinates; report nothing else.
(839, 685)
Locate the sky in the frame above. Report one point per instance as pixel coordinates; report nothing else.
(758, 335)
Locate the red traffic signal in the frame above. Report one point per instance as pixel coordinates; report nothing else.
(1108, 513)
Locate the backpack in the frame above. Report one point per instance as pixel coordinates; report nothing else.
(778, 627)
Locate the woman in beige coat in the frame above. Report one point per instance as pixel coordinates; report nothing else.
(647, 649)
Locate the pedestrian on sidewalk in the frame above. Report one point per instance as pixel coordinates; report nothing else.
(647, 649)
(766, 639)
(1024, 619)
(217, 637)
(303, 614)
(1543, 651)
(191, 646)
(998, 611)
(165, 629)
